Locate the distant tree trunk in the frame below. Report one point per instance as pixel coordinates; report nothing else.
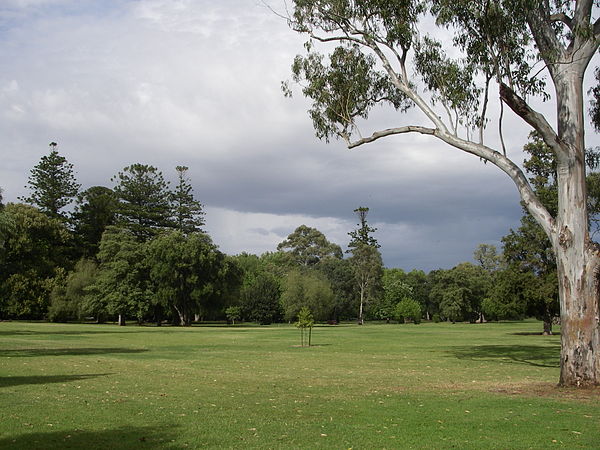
(362, 300)
(121, 320)
(180, 313)
(309, 335)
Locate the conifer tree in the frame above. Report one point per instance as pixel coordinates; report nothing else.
(144, 201)
(188, 213)
(52, 184)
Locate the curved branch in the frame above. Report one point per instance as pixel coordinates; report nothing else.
(526, 192)
(389, 132)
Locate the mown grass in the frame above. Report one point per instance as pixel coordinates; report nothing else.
(375, 386)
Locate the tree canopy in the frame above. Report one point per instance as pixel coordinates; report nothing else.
(308, 246)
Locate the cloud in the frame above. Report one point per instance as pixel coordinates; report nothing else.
(197, 83)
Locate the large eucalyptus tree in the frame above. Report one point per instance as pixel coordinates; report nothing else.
(383, 54)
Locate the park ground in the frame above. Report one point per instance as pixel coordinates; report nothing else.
(377, 386)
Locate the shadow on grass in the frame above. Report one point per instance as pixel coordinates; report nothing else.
(46, 379)
(119, 438)
(546, 356)
(105, 330)
(32, 352)
(527, 333)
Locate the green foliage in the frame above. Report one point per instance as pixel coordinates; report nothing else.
(95, 210)
(395, 289)
(52, 185)
(408, 309)
(69, 299)
(507, 298)
(460, 291)
(144, 206)
(307, 289)
(450, 81)
(259, 295)
(365, 261)
(343, 285)
(121, 286)
(343, 89)
(233, 313)
(35, 251)
(305, 320)
(488, 258)
(187, 211)
(186, 272)
(308, 246)
(363, 235)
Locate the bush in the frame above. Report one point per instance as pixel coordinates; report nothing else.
(408, 309)
(436, 318)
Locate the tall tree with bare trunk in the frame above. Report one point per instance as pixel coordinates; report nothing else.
(516, 49)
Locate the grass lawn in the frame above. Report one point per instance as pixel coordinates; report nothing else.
(375, 386)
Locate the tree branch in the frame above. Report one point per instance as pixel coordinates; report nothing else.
(533, 118)
(389, 132)
(531, 201)
(540, 25)
(562, 17)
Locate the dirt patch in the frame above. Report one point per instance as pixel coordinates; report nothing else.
(549, 390)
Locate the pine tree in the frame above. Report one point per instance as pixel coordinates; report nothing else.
(188, 213)
(52, 184)
(144, 201)
(366, 262)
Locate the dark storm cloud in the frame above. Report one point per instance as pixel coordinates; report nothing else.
(198, 84)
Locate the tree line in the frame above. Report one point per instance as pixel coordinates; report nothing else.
(138, 251)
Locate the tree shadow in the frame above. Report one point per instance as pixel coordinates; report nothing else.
(46, 379)
(66, 332)
(118, 438)
(533, 355)
(528, 333)
(32, 352)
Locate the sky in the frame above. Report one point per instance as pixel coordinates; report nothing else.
(198, 83)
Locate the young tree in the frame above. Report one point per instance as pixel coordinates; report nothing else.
(144, 201)
(233, 313)
(502, 44)
(366, 262)
(52, 185)
(308, 246)
(187, 211)
(305, 320)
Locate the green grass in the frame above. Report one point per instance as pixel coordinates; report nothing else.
(376, 386)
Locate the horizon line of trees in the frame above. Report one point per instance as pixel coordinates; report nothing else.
(138, 251)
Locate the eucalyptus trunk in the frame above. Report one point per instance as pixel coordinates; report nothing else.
(577, 255)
